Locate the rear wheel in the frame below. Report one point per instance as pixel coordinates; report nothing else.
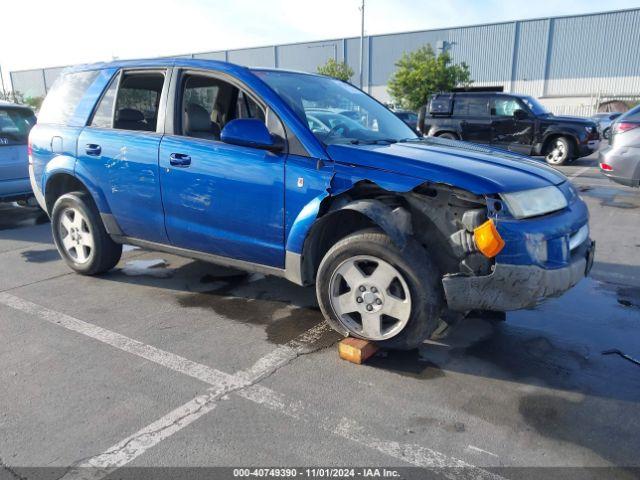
(370, 289)
(559, 150)
(80, 236)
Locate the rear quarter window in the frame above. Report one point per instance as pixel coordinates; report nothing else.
(63, 98)
(470, 106)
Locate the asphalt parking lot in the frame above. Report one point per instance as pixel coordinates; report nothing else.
(171, 362)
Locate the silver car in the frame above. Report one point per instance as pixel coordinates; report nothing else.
(620, 161)
(604, 122)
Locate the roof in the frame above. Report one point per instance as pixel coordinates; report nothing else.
(4, 104)
(504, 94)
(178, 62)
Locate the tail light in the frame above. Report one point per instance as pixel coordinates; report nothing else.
(29, 152)
(622, 127)
(606, 168)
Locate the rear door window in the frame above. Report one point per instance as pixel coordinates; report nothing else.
(103, 117)
(138, 101)
(63, 98)
(131, 102)
(471, 106)
(15, 124)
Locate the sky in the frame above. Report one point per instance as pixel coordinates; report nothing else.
(46, 33)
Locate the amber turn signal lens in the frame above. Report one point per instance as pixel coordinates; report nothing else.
(487, 239)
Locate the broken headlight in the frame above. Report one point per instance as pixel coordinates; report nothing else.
(531, 203)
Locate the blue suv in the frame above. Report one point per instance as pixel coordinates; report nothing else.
(304, 177)
(15, 123)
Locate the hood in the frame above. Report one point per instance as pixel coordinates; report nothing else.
(478, 169)
(574, 120)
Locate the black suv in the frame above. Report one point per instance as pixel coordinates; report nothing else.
(514, 122)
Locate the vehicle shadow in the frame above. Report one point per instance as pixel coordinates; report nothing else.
(282, 308)
(552, 376)
(557, 345)
(24, 224)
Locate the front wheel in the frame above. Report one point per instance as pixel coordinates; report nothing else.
(448, 136)
(80, 236)
(559, 151)
(369, 288)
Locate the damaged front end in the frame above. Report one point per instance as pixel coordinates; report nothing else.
(542, 257)
(488, 259)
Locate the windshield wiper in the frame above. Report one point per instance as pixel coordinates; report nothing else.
(380, 141)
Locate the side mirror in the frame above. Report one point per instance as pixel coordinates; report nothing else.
(520, 114)
(250, 132)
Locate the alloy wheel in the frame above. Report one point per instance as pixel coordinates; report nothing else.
(75, 235)
(558, 153)
(370, 297)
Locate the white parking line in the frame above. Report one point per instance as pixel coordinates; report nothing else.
(135, 445)
(243, 384)
(580, 172)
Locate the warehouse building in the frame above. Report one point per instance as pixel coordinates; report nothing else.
(574, 64)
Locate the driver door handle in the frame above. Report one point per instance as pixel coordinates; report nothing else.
(179, 160)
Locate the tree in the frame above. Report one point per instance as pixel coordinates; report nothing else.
(34, 102)
(421, 73)
(339, 70)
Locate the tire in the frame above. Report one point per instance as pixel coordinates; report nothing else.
(80, 236)
(606, 133)
(448, 135)
(559, 150)
(376, 259)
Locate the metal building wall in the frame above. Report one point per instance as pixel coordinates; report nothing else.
(530, 60)
(595, 55)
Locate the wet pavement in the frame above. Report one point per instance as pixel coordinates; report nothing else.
(88, 362)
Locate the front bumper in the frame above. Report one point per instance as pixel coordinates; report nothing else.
(587, 148)
(512, 287)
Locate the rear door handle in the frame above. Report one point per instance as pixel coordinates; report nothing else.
(179, 160)
(93, 149)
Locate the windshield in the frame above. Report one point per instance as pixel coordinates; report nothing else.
(15, 124)
(335, 111)
(536, 107)
(632, 115)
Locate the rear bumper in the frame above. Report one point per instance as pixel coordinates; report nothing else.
(512, 287)
(625, 162)
(16, 189)
(36, 189)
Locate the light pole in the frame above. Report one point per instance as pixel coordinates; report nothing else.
(362, 45)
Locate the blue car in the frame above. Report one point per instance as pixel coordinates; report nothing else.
(15, 123)
(217, 162)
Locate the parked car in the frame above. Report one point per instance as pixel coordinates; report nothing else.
(604, 120)
(408, 117)
(15, 123)
(517, 123)
(322, 121)
(393, 230)
(620, 161)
